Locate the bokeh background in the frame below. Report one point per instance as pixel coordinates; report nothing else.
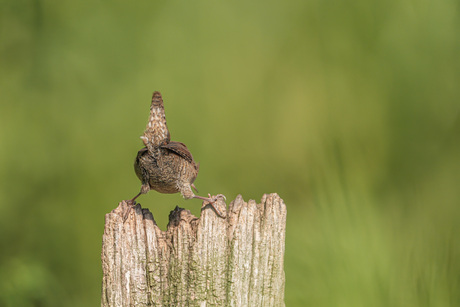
(348, 109)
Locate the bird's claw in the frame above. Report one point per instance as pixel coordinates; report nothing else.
(213, 200)
(216, 198)
(221, 196)
(131, 204)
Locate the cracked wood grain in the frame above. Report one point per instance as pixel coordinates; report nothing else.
(206, 261)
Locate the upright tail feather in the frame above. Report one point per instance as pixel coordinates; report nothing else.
(156, 133)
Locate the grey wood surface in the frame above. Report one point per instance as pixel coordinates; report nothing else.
(206, 261)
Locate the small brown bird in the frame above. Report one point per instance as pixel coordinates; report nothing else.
(164, 165)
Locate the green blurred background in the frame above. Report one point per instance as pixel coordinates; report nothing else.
(348, 109)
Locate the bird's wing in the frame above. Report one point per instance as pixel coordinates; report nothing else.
(179, 149)
(156, 132)
(141, 152)
(137, 168)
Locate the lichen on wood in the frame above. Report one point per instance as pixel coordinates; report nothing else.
(206, 261)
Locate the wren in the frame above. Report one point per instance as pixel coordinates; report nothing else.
(164, 165)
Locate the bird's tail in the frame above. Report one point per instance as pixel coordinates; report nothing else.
(156, 133)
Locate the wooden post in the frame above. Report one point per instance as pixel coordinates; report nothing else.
(206, 261)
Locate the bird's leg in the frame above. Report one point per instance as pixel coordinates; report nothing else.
(212, 201)
(144, 189)
(132, 201)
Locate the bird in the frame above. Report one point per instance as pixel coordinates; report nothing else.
(163, 165)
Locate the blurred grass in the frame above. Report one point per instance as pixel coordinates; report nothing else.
(349, 110)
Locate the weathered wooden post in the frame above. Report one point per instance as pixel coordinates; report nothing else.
(206, 261)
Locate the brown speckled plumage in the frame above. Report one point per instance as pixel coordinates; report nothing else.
(164, 165)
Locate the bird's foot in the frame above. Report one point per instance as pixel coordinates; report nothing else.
(216, 198)
(212, 200)
(131, 204)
